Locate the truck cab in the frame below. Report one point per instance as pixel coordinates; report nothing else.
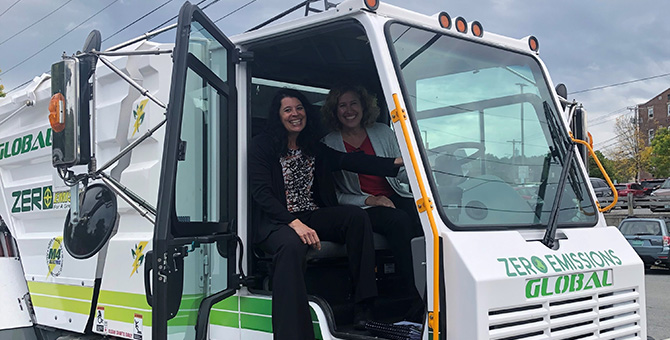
(152, 234)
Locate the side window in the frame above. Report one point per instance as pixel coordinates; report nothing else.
(198, 191)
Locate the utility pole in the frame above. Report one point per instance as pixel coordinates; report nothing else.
(635, 121)
(523, 151)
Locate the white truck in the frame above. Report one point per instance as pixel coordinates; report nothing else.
(126, 206)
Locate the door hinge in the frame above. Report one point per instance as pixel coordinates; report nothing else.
(240, 56)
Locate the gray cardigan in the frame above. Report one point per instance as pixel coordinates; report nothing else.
(385, 145)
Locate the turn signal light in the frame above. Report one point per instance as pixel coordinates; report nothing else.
(533, 44)
(444, 19)
(666, 241)
(461, 25)
(371, 4)
(57, 112)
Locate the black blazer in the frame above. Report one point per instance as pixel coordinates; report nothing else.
(267, 181)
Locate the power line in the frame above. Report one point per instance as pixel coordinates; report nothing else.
(239, 8)
(35, 23)
(621, 83)
(127, 26)
(174, 17)
(138, 19)
(10, 7)
(59, 38)
(609, 117)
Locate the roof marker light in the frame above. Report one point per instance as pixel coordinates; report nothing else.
(444, 19)
(371, 4)
(461, 25)
(477, 29)
(533, 44)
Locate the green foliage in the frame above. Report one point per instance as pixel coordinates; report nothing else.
(660, 154)
(594, 171)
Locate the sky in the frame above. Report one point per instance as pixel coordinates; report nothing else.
(589, 45)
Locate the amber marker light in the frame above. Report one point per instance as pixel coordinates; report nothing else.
(57, 112)
(371, 4)
(533, 44)
(445, 20)
(461, 25)
(477, 29)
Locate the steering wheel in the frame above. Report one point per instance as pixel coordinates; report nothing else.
(449, 151)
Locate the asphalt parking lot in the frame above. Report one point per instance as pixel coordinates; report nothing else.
(657, 284)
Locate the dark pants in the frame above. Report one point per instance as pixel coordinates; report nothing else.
(291, 319)
(399, 226)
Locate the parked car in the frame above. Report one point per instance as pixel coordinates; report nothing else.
(659, 200)
(650, 185)
(650, 239)
(624, 188)
(601, 187)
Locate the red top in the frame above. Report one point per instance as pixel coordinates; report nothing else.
(373, 185)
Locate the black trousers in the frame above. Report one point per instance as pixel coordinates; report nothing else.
(399, 226)
(291, 318)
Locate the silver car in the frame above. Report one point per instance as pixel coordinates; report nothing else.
(659, 199)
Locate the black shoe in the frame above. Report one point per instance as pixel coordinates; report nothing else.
(362, 314)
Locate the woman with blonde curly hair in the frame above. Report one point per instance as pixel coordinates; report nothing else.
(351, 112)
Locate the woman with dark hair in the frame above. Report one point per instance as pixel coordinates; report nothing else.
(351, 112)
(290, 174)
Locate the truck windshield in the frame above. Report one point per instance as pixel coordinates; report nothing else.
(493, 143)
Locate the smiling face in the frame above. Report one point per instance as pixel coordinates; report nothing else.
(349, 110)
(292, 115)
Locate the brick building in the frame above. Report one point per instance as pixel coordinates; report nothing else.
(653, 115)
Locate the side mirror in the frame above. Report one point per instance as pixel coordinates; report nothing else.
(562, 91)
(69, 112)
(96, 224)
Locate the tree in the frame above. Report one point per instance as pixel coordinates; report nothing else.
(594, 171)
(660, 154)
(630, 154)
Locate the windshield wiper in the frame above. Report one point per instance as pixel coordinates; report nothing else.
(549, 238)
(420, 50)
(563, 146)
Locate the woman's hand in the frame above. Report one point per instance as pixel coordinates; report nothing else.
(379, 201)
(306, 234)
(398, 161)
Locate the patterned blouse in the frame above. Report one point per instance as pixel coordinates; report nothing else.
(298, 171)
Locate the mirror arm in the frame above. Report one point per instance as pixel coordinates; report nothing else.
(135, 202)
(130, 147)
(130, 81)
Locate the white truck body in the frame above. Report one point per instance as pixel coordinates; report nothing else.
(498, 283)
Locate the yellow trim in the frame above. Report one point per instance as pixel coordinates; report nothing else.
(602, 170)
(423, 204)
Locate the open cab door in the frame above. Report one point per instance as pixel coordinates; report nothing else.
(197, 202)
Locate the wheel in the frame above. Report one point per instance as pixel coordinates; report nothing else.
(449, 150)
